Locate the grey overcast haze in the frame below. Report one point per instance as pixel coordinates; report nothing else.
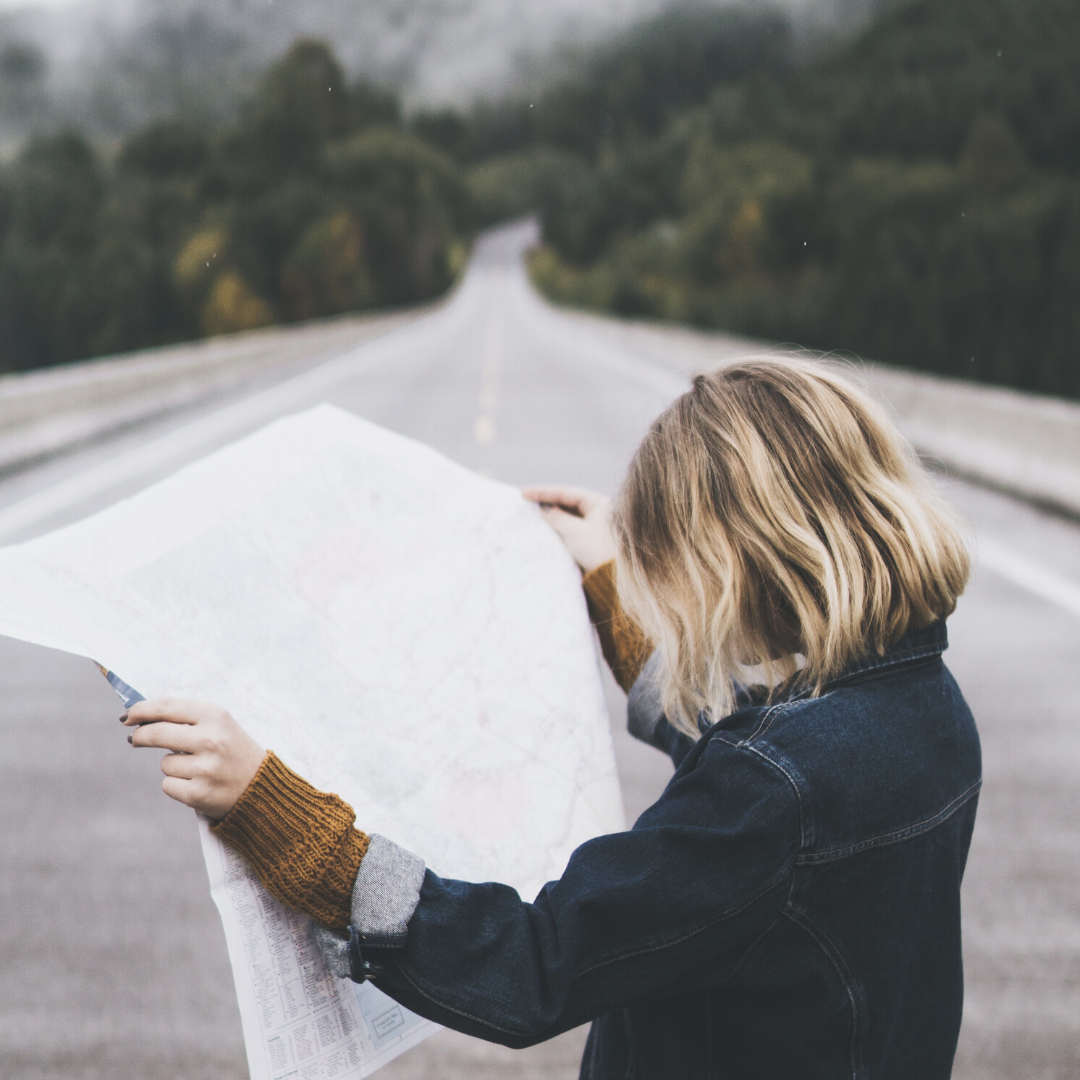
(111, 65)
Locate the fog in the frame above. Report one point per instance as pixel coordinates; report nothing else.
(108, 66)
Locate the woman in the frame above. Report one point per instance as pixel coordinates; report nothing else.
(790, 907)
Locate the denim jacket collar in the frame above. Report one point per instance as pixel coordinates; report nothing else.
(646, 710)
(915, 645)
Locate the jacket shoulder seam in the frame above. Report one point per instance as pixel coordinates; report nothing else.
(765, 723)
(804, 837)
(744, 744)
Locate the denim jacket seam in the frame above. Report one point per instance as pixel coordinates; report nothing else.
(667, 943)
(745, 958)
(765, 723)
(805, 839)
(422, 988)
(895, 837)
(893, 660)
(839, 964)
(744, 744)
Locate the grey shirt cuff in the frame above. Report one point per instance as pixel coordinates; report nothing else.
(385, 895)
(334, 949)
(644, 710)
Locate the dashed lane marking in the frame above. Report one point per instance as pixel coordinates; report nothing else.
(484, 427)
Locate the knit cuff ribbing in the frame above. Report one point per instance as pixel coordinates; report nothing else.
(300, 842)
(624, 646)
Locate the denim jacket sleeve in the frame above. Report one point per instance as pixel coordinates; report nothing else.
(702, 873)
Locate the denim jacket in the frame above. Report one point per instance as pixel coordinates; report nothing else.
(788, 909)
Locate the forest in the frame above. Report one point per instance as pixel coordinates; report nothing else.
(910, 194)
(318, 200)
(913, 197)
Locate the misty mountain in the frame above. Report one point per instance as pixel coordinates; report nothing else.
(109, 66)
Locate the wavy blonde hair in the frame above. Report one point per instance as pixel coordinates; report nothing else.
(774, 518)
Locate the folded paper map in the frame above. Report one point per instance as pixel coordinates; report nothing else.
(399, 630)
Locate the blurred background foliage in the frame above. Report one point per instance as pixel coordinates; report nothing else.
(910, 192)
(317, 200)
(912, 196)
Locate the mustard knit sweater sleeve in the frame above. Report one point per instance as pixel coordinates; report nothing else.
(301, 842)
(624, 646)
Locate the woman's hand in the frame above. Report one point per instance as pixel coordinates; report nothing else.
(213, 758)
(580, 517)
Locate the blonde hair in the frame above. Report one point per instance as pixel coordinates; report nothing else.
(773, 516)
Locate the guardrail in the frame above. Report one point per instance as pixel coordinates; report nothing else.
(1025, 444)
(1021, 443)
(46, 412)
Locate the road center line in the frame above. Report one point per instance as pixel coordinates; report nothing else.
(484, 428)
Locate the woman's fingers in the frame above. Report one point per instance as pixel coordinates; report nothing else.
(172, 710)
(179, 766)
(571, 501)
(562, 522)
(213, 759)
(189, 792)
(588, 539)
(166, 735)
(580, 517)
(577, 501)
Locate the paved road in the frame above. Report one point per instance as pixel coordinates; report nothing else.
(113, 961)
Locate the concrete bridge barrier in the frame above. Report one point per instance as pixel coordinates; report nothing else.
(1025, 444)
(1022, 443)
(51, 410)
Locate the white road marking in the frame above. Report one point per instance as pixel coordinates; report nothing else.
(573, 338)
(484, 428)
(620, 361)
(180, 444)
(1030, 575)
(1046, 584)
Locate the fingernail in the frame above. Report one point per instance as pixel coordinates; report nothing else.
(123, 718)
(129, 740)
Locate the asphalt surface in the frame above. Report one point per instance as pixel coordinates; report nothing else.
(112, 959)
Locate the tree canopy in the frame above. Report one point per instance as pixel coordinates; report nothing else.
(913, 196)
(316, 201)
